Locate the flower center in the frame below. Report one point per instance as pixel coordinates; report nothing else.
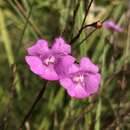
(49, 60)
(78, 78)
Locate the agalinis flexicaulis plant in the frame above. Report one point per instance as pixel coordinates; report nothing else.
(56, 63)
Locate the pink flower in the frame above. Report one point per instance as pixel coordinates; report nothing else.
(49, 63)
(82, 80)
(112, 26)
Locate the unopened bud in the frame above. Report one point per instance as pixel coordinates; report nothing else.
(98, 24)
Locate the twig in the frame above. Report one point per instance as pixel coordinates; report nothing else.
(96, 25)
(22, 11)
(33, 105)
(30, 21)
(24, 29)
(87, 13)
(85, 26)
(81, 42)
(82, 25)
(9, 51)
(75, 11)
(74, 15)
(87, 110)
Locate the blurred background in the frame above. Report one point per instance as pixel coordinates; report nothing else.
(22, 22)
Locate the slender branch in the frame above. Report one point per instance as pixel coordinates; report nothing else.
(82, 25)
(74, 16)
(86, 110)
(26, 16)
(88, 36)
(81, 42)
(33, 105)
(24, 29)
(86, 13)
(96, 25)
(23, 13)
(9, 51)
(75, 11)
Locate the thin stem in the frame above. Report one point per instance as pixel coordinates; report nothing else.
(87, 11)
(85, 111)
(74, 16)
(21, 11)
(98, 114)
(94, 24)
(25, 27)
(20, 8)
(100, 104)
(89, 25)
(81, 42)
(9, 51)
(33, 105)
(82, 25)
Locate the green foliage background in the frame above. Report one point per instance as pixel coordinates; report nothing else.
(22, 22)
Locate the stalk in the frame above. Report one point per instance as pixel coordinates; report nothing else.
(99, 105)
(9, 51)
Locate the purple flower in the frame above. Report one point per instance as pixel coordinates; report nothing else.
(49, 63)
(82, 80)
(112, 26)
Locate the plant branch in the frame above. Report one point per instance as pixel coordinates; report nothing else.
(81, 42)
(96, 25)
(86, 13)
(82, 25)
(74, 16)
(24, 29)
(33, 105)
(22, 12)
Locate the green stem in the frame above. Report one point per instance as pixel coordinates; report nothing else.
(9, 50)
(99, 105)
(98, 114)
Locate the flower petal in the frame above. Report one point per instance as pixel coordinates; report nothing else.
(66, 83)
(74, 90)
(35, 64)
(87, 65)
(38, 68)
(40, 47)
(92, 83)
(49, 73)
(63, 65)
(74, 68)
(113, 26)
(79, 92)
(60, 46)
